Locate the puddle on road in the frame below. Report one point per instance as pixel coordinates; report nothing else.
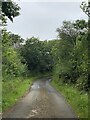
(33, 113)
(35, 86)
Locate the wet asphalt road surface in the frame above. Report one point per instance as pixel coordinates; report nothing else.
(43, 101)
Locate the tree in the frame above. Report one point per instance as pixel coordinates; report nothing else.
(67, 32)
(71, 54)
(11, 59)
(86, 8)
(37, 55)
(16, 40)
(10, 9)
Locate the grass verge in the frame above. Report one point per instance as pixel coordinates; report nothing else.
(13, 90)
(78, 100)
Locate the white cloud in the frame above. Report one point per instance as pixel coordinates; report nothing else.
(42, 19)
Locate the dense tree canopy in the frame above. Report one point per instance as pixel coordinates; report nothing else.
(12, 65)
(37, 55)
(72, 65)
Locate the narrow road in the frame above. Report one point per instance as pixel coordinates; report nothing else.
(43, 101)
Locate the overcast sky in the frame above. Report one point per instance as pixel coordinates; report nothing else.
(41, 19)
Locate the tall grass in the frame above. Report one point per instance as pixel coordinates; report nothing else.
(12, 90)
(78, 100)
(15, 88)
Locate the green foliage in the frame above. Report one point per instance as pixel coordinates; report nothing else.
(37, 55)
(80, 24)
(71, 53)
(12, 66)
(10, 9)
(86, 8)
(12, 91)
(78, 100)
(16, 39)
(82, 83)
(66, 58)
(67, 32)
